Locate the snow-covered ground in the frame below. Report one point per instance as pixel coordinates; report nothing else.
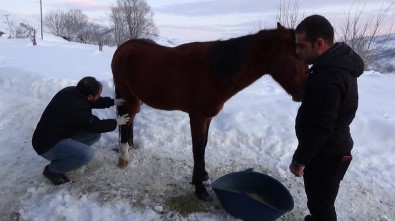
(254, 130)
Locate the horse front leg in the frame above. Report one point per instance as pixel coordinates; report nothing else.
(199, 131)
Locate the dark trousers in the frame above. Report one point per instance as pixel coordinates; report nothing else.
(322, 179)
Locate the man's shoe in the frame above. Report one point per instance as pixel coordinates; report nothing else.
(308, 218)
(55, 178)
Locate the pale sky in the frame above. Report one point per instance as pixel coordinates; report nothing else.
(193, 20)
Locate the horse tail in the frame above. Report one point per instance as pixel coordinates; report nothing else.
(117, 96)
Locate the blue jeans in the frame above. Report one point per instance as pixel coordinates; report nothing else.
(72, 153)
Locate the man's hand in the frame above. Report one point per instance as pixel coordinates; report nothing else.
(297, 170)
(121, 120)
(119, 102)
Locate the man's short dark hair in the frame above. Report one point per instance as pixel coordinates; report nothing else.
(316, 26)
(88, 86)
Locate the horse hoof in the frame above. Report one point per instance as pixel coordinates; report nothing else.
(204, 196)
(135, 146)
(122, 163)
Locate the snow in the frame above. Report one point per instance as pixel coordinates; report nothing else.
(254, 130)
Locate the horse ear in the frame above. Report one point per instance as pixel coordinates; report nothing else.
(285, 33)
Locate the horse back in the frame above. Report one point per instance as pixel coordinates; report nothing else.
(163, 77)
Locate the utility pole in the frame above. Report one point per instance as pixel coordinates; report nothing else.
(41, 13)
(10, 29)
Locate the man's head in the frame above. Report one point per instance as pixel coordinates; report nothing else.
(90, 88)
(314, 35)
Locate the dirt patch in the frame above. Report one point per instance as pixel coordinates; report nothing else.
(185, 204)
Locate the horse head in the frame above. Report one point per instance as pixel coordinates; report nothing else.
(285, 67)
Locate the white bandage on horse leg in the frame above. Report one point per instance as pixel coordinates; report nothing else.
(124, 151)
(124, 158)
(207, 182)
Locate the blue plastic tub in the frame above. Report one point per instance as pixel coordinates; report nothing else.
(253, 196)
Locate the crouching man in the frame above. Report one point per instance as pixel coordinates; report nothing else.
(68, 128)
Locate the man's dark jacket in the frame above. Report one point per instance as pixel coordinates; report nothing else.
(329, 104)
(66, 114)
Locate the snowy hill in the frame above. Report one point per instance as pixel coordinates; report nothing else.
(254, 130)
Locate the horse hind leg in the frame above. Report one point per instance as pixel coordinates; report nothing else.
(126, 138)
(131, 107)
(123, 159)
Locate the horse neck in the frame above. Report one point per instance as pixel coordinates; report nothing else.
(232, 86)
(247, 78)
(255, 67)
(261, 57)
(257, 62)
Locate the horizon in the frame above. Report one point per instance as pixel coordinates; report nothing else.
(191, 20)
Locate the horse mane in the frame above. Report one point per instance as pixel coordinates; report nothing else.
(228, 55)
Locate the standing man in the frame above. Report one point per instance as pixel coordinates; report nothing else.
(68, 128)
(329, 104)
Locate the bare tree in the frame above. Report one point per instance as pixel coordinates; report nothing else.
(54, 20)
(361, 32)
(288, 14)
(21, 31)
(132, 19)
(76, 25)
(26, 31)
(119, 25)
(101, 35)
(11, 26)
(71, 25)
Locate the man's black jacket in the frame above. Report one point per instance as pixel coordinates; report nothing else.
(329, 104)
(66, 114)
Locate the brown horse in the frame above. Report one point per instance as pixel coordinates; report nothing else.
(198, 78)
